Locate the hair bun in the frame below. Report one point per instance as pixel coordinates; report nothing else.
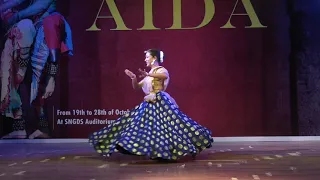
(161, 56)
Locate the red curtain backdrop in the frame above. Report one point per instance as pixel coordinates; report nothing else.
(234, 81)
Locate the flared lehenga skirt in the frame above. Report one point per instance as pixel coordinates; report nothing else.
(156, 129)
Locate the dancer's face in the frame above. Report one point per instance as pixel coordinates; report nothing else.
(149, 59)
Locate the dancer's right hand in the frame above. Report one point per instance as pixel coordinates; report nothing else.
(130, 74)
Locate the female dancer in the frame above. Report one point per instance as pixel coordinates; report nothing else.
(156, 128)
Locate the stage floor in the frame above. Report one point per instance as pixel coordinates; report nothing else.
(225, 161)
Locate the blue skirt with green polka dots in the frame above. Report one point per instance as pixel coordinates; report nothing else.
(156, 129)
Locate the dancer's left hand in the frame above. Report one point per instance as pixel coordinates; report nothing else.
(49, 88)
(143, 73)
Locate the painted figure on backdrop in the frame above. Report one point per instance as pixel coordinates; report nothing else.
(15, 57)
(156, 128)
(53, 38)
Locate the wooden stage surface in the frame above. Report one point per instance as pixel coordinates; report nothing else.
(225, 161)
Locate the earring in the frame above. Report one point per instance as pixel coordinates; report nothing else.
(153, 62)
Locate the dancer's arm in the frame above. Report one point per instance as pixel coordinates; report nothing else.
(158, 75)
(136, 84)
(162, 73)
